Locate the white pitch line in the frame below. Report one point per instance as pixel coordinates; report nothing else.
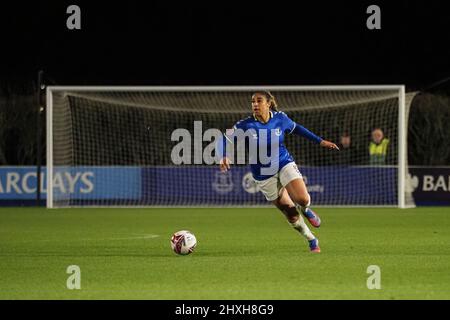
(142, 236)
(145, 236)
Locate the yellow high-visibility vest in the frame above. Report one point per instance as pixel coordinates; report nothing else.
(378, 151)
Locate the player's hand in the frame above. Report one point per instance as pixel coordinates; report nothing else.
(329, 145)
(225, 164)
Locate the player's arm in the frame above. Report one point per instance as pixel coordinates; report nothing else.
(329, 145)
(224, 160)
(293, 127)
(225, 164)
(302, 131)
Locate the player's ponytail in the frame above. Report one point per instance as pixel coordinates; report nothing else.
(271, 99)
(272, 102)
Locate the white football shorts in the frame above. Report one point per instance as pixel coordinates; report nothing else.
(272, 186)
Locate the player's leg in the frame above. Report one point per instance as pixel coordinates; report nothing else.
(275, 193)
(292, 180)
(285, 204)
(299, 194)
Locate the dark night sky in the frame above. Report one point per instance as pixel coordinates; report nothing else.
(150, 42)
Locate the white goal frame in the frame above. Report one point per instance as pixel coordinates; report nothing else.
(402, 120)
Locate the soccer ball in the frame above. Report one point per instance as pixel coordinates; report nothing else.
(183, 242)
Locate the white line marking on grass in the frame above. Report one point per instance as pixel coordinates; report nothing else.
(137, 236)
(144, 236)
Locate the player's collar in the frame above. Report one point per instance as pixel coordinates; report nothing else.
(270, 117)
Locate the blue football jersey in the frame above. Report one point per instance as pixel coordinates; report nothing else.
(277, 127)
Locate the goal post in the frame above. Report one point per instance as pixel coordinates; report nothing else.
(402, 147)
(49, 147)
(114, 146)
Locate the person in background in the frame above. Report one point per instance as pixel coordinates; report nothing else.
(349, 154)
(378, 148)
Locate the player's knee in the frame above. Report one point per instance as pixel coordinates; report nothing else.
(293, 218)
(280, 204)
(277, 203)
(302, 200)
(289, 210)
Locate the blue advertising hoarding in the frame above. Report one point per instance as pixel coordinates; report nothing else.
(193, 185)
(18, 185)
(327, 186)
(206, 185)
(430, 186)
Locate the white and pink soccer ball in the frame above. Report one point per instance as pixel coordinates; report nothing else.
(183, 242)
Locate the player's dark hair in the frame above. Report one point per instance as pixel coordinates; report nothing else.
(270, 98)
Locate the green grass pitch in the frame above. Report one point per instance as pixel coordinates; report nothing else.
(241, 254)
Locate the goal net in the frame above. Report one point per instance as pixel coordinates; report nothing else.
(154, 146)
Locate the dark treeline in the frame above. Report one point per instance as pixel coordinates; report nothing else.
(429, 129)
(18, 123)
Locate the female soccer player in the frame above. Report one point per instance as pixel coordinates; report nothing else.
(285, 188)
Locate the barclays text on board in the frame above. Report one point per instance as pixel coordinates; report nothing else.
(20, 183)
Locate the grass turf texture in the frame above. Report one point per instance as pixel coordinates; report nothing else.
(241, 254)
